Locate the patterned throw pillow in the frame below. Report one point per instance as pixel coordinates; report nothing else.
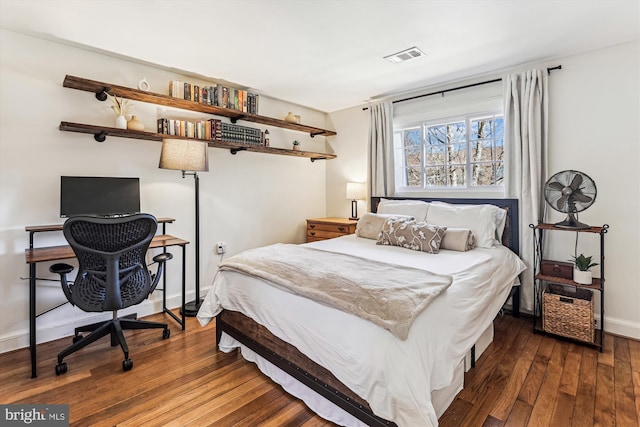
(418, 236)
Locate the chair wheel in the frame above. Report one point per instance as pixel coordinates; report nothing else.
(127, 364)
(61, 368)
(77, 338)
(166, 334)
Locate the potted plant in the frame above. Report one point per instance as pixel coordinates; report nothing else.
(581, 273)
(296, 145)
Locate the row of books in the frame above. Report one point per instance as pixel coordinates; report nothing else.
(211, 130)
(217, 95)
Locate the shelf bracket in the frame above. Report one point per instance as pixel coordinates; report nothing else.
(234, 151)
(100, 136)
(101, 95)
(311, 134)
(313, 159)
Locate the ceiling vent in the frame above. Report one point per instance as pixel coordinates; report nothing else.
(405, 55)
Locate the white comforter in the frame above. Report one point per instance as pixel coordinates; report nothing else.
(395, 376)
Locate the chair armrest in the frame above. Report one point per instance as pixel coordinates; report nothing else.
(61, 268)
(163, 257)
(64, 269)
(160, 259)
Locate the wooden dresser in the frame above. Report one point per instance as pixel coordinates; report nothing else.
(328, 228)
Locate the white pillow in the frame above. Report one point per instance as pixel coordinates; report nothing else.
(480, 219)
(415, 208)
(370, 224)
(500, 216)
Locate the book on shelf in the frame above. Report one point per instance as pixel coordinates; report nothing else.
(217, 95)
(224, 97)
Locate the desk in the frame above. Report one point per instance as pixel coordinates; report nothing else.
(54, 253)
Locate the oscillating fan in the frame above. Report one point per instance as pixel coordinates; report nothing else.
(570, 192)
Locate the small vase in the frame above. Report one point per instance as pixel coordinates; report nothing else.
(582, 277)
(121, 122)
(135, 124)
(290, 118)
(296, 148)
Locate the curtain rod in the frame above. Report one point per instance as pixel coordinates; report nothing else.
(442, 92)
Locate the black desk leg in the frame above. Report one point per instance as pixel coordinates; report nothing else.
(184, 274)
(32, 318)
(164, 295)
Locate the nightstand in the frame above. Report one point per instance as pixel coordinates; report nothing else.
(328, 228)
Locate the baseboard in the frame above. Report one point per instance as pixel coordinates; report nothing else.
(64, 327)
(621, 327)
(613, 325)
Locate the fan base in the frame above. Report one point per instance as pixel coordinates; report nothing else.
(573, 223)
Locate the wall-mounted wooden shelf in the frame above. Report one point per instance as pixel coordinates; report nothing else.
(101, 132)
(155, 98)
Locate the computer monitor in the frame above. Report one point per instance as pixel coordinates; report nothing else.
(101, 196)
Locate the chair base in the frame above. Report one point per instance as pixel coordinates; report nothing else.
(114, 328)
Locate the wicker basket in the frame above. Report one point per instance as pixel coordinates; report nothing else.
(568, 313)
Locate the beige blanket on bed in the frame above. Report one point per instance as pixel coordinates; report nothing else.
(388, 295)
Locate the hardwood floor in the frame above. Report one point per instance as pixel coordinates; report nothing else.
(521, 380)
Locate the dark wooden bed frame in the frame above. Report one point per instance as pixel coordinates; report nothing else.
(286, 357)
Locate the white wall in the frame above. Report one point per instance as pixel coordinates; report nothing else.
(246, 200)
(593, 127)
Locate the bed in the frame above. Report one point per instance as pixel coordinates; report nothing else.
(354, 372)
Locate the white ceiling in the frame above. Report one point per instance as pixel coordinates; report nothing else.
(327, 54)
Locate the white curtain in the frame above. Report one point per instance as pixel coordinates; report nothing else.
(381, 173)
(526, 124)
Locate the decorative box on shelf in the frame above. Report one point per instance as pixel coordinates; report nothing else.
(568, 312)
(560, 269)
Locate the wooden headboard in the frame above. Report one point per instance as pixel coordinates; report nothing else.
(511, 235)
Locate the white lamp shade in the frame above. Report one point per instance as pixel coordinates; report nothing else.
(356, 191)
(184, 154)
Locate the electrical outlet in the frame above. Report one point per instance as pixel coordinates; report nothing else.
(221, 247)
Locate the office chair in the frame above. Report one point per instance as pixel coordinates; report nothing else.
(112, 275)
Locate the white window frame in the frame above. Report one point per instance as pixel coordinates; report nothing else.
(399, 152)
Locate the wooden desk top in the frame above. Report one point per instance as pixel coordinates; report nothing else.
(54, 253)
(58, 227)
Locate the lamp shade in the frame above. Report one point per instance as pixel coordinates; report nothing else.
(356, 191)
(184, 154)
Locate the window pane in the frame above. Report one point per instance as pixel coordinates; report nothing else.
(500, 150)
(457, 176)
(412, 138)
(458, 153)
(482, 151)
(414, 177)
(483, 128)
(483, 174)
(436, 135)
(413, 156)
(436, 155)
(457, 132)
(499, 127)
(436, 176)
(499, 173)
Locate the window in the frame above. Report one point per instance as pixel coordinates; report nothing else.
(463, 152)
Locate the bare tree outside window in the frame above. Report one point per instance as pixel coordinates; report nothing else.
(465, 152)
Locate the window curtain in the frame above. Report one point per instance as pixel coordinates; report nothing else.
(381, 174)
(526, 128)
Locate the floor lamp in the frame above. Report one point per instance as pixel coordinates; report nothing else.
(189, 156)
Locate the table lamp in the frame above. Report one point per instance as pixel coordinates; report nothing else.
(355, 192)
(189, 156)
